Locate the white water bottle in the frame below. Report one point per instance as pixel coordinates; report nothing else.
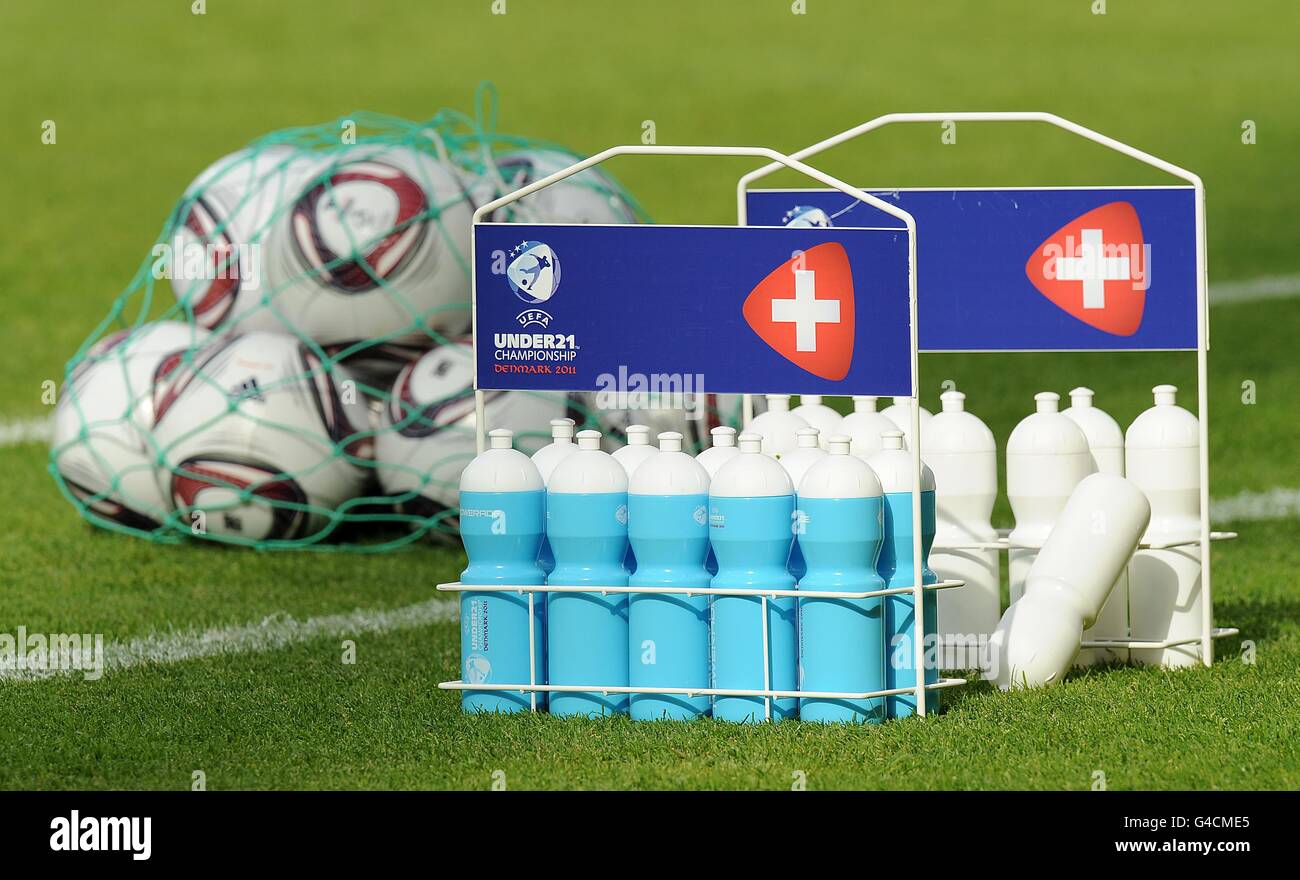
(963, 454)
(637, 450)
(864, 426)
(820, 416)
(1162, 455)
(1090, 544)
(1106, 446)
(777, 426)
(561, 445)
(900, 413)
(721, 451)
(807, 452)
(1047, 456)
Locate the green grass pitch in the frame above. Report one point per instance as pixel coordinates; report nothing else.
(145, 95)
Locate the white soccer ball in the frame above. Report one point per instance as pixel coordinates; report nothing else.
(427, 430)
(259, 439)
(215, 256)
(590, 196)
(377, 241)
(102, 420)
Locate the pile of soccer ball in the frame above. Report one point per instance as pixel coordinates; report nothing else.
(313, 370)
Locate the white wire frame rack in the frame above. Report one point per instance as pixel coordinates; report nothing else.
(1208, 631)
(532, 687)
(777, 160)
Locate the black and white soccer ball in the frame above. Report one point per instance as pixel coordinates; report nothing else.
(376, 242)
(590, 196)
(260, 440)
(426, 432)
(216, 255)
(101, 444)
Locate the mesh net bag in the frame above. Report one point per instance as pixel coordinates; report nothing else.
(290, 367)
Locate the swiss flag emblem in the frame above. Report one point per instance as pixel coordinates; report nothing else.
(804, 310)
(1095, 268)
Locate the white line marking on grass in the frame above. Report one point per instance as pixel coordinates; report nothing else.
(1271, 287)
(271, 634)
(1275, 503)
(37, 430)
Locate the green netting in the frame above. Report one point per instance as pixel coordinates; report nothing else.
(289, 367)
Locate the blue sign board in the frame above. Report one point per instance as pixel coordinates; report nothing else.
(725, 309)
(1033, 269)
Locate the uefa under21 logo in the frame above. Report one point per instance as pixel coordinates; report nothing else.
(534, 272)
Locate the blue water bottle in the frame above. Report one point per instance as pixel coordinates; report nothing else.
(546, 458)
(501, 524)
(841, 641)
(796, 462)
(751, 510)
(586, 522)
(668, 525)
(722, 450)
(638, 450)
(893, 466)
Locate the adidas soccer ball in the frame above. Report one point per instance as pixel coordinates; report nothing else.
(379, 240)
(426, 431)
(215, 254)
(259, 439)
(590, 196)
(101, 423)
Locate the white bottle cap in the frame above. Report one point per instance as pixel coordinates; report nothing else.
(723, 436)
(501, 468)
(953, 401)
(562, 430)
(751, 473)
(637, 435)
(1081, 397)
(807, 437)
(810, 399)
(587, 470)
(838, 474)
(778, 402)
(1047, 402)
(891, 440)
(1166, 395)
(864, 403)
(670, 441)
(670, 471)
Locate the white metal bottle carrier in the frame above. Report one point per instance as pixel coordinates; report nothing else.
(1208, 631)
(532, 686)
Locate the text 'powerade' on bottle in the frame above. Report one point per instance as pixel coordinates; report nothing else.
(586, 522)
(501, 524)
(668, 526)
(840, 527)
(893, 467)
(751, 509)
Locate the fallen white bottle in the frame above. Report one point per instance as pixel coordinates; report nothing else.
(1076, 569)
